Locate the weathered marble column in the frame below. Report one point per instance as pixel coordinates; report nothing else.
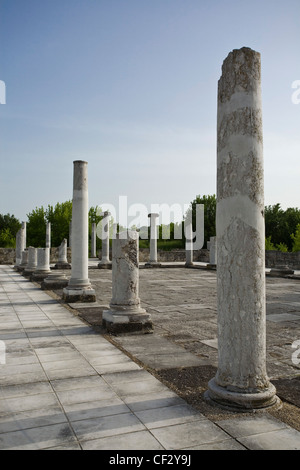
(105, 262)
(43, 265)
(32, 261)
(152, 263)
(241, 382)
(48, 235)
(62, 262)
(18, 248)
(189, 245)
(24, 261)
(20, 243)
(125, 313)
(93, 241)
(79, 287)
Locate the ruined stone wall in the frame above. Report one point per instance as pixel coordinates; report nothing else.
(278, 258)
(8, 255)
(273, 258)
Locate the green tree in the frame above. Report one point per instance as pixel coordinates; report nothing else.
(7, 240)
(36, 227)
(60, 217)
(280, 224)
(9, 226)
(94, 218)
(210, 205)
(268, 244)
(296, 239)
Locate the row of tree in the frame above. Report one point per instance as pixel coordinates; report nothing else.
(282, 227)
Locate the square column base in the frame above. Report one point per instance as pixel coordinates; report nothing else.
(130, 321)
(39, 276)
(83, 294)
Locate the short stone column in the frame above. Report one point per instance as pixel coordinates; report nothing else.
(153, 263)
(93, 241)
(79, 287)
(241, 382)
(43, 265)
(32, 262)
(48, 235)
(62, 262)
(125, 313)
(189, 245)
(24, 261)
(105, 262)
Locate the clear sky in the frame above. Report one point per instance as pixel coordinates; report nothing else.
(130, 86)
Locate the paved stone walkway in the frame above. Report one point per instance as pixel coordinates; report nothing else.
(63, 385)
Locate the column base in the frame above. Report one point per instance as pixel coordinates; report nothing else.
(152, 264)
(55, 281)
(241, 401)
(20, 269)
(105, 265)
(211, 266)
(280, 271)
(62, 266)
(188, 264)
(27, 272)
(39, 276)
(79, 294)
(127, 320)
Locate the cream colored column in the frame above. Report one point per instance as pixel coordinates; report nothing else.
(241, 381)
(125, 313)
(79, 287)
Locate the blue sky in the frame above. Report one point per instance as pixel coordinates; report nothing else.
(131, 87)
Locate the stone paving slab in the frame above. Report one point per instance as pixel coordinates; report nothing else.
(76, 390)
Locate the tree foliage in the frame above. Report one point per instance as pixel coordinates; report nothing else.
(281, 224)
(9, 226)
(60, 217)
(210, 206)
(296, 239)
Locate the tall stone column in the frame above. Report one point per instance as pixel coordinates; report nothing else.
(105, 262)
(79, 287)
(126, 314)
(48, 235)
(24, 235)
(18, 248)
(152, 263)
(241, 382)
(93, 241)
(20, 243)
(189, 245)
